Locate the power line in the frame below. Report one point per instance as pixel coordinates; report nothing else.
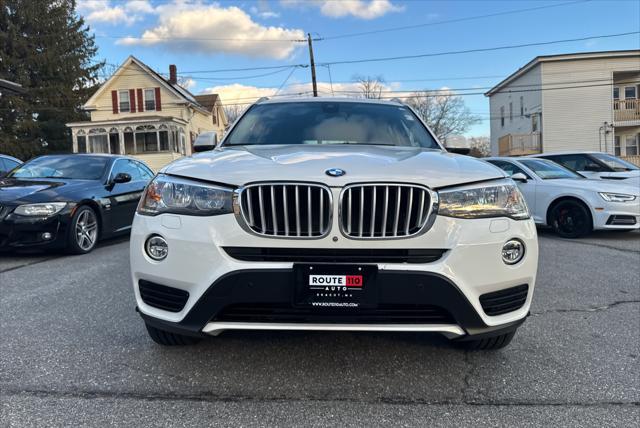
(201, 39)
(466, 51)
(285, 81)
(450, 21)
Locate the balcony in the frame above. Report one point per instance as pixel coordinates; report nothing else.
(520, 144)
(626, 110)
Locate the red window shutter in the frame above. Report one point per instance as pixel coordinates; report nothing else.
(140, 101)
(158, 102)
(132, 100)
(114, 101)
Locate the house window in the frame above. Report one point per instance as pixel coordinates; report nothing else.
(149, 99)
(534, 123)
(521, 106)
(123, 97)
(502, 116)
(616, 145)
(632, 145)
(629, 92)
(510, 112)
(616, 93)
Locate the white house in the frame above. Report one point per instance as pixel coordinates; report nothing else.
(140, 113)
(578, 101)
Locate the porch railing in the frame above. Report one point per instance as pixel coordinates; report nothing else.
(520, 144)
(625, 110)
(635, 159)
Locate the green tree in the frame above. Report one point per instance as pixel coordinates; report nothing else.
(47, 48)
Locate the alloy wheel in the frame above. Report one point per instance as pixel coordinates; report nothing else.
(86, 230)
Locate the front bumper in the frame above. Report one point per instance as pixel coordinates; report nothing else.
(617, 215)
(20, 232)
(198, 264)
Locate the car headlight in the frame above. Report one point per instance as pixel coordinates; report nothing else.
(40, 210)
(617, 197)
(497, 199)
(166, 194)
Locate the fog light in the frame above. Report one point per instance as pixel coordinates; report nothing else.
(512, 251)
(46, 236)
(156, 247)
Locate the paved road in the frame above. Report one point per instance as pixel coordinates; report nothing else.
(73, 352)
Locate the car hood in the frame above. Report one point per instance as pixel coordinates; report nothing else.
(596, 185)
(16, 190)
(244, 164)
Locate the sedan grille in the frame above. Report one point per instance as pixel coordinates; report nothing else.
(370, 211)
(291, 210)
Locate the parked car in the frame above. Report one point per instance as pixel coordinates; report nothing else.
(7, 163)
(596, 165)
(333, 214)
(69, 201)
(571, 204)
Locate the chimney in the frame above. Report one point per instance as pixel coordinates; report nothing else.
(173, 74)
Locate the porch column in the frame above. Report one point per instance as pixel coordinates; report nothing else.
(121, 140)
(74, 140)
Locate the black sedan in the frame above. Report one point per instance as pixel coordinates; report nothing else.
(69, 201)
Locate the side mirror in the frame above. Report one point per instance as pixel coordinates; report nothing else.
(205, 142)
(121, 177)
(518, 176)
(459, 150)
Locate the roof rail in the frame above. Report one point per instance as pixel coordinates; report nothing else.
(262, 99)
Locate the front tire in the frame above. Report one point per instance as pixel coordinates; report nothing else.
(571, 219)
(166, 338)
(488, 343)
(84, 231)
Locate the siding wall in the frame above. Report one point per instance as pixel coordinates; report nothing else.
(532, 104)
(572, 117)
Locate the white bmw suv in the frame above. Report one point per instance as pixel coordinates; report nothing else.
(333, 214)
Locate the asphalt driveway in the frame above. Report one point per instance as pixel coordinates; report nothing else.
(74, 352)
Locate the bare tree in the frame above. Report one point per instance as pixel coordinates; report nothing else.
(369, 86)
(480, 147)
(445, 114)
(233, 111)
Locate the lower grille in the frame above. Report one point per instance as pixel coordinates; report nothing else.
(385, 314)
(322, 255)
(621, 220)
(162, 297)
(503, 301)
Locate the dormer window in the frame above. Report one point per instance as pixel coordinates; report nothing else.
(123, 100)
(149, 99)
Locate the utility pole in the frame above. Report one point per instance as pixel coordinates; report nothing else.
(313, 66)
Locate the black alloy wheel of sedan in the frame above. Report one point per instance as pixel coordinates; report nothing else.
(571, 219)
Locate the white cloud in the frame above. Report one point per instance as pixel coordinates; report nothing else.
(263, 10)
(194, 26)
(363, 9)
(237, 93)
(103, 11)
(187, 83)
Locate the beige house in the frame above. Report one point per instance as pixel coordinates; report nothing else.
(140, 113)
(580, 101)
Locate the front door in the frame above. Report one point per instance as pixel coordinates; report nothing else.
(124, 197)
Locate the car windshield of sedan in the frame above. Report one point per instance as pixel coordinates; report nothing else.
(70, 167)
(330, 123)
(548, 170)
(615, 163)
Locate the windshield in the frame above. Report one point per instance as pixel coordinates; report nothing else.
(74, 167)
(330, 123)
(616, 163)
(548, 170)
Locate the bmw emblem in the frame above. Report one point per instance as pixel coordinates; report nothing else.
(335, 172)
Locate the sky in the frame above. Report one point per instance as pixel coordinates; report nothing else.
(235, 48)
